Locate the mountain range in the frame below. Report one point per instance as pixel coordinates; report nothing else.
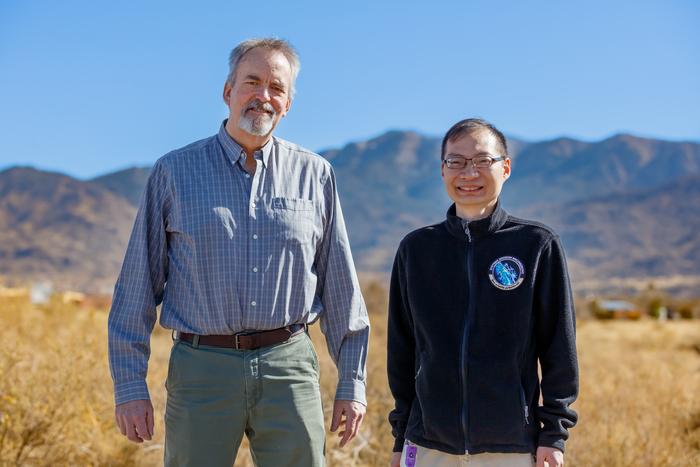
(626, 209)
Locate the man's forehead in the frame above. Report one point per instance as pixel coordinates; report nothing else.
(261, 56)
(476, 142)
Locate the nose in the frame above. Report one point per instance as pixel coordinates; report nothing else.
(263, 93)
(469, 171)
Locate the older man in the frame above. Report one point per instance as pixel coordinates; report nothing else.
(242, 239)
(476, 303)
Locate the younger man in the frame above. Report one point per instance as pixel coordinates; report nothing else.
(476, 302)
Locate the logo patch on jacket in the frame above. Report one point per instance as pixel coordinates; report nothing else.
(507, 272)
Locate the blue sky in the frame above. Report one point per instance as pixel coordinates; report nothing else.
(88, 87)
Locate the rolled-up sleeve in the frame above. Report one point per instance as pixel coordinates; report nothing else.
(139, 290)
(344, 320)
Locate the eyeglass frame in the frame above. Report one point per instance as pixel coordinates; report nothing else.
(469, 160)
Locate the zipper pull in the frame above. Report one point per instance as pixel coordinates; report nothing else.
(466, 231)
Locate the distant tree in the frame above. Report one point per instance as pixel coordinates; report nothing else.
(655, 306)
(686, 311)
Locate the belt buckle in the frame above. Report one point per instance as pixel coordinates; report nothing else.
(236, 342)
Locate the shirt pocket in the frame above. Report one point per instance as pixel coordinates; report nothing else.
(294, 219)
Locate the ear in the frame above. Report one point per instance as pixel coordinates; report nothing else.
(287, 107)
(506, 168)
(442, 169)
(227, 92)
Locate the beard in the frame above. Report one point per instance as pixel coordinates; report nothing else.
(259, 125)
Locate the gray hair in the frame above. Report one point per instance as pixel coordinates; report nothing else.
(270, 43)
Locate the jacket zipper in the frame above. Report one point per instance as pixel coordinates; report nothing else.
(465, 342)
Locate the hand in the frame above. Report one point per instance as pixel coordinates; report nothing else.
(553, 456)
(135, 420)
(395, 459)
(354, 412)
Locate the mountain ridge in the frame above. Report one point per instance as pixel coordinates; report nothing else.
(388, 186)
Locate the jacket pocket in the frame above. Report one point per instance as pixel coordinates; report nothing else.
(524, 406)
(418, 378)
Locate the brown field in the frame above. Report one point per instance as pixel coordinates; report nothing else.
(639, 402)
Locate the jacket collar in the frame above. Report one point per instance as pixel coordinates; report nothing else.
(469, 230)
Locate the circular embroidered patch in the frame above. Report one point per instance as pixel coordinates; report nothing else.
(507, 273)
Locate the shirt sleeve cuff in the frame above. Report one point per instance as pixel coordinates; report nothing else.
(130, 391)
(351, 390)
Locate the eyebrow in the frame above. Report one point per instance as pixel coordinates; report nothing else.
(275, 81)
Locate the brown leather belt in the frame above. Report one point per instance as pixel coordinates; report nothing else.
(246, 340)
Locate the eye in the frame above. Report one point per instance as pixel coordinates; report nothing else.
(455, 162)
(482, 161)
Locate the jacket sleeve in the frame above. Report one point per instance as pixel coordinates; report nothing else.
(556, 346)
(400, 353)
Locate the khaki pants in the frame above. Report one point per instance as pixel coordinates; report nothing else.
(425, 457)
(271, 394)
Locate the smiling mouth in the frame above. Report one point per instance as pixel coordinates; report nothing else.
(469, 189)
(259, 111)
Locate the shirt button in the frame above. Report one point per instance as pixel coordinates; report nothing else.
(253, 303)
(247, 175)
(255, 236)
(255, 269)
(252, 204)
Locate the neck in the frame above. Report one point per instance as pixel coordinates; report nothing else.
(249, 143)
(474, 213)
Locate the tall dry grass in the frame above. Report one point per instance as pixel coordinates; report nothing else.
(639, 403)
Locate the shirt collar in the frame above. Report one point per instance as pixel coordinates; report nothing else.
(235, 152)
(478, 228)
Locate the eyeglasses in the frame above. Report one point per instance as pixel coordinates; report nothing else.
(479, 162)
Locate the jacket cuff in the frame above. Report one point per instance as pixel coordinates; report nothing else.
(398, 444)
(556, 443)
(130, 391)
(351, 390)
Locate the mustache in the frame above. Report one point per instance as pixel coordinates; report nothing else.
(257, 104)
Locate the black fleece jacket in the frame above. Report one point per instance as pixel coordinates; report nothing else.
(473, 307)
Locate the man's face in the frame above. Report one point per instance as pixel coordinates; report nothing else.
(260, 94)
(470, 188)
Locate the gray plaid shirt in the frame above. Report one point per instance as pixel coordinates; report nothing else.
(226, 251)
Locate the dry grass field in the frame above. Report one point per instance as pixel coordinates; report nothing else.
(639, 402)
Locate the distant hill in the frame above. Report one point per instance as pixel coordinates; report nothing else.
(56, 227)
(128, 183)
(391, 185)
(636, 236)
(619, 205)
(388, 186)
(564, 169)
